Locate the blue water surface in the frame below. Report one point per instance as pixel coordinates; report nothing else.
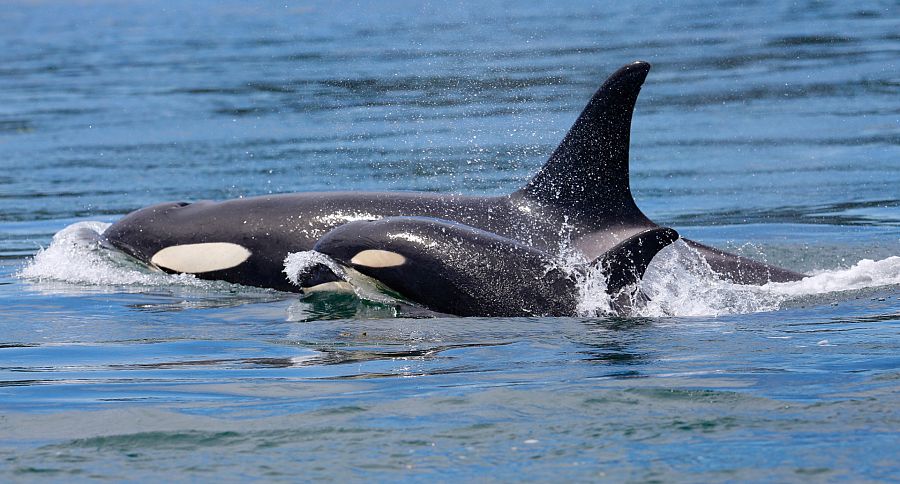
(772, 129)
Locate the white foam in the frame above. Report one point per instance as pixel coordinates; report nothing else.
(865, 273)
(679, 282)
(76, 256)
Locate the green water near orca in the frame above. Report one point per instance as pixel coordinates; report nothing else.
(768, 129)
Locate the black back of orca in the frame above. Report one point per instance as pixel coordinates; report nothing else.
(457, 269)
(581, 194)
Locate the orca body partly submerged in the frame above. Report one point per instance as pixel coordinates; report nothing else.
(580, 198)
(456, 269)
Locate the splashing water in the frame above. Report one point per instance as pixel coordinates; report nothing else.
(297, 263)
(590, 281)
(679, 282)
(76, 256)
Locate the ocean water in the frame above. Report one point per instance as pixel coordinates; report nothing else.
(770, 129)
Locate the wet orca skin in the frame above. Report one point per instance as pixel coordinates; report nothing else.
(581, 195)
(456, 269)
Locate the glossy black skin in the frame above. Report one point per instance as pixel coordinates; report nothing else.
(580, 197)
(457, 269)
(271, 227)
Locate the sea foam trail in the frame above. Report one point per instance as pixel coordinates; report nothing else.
(680, 283)
(865, 273)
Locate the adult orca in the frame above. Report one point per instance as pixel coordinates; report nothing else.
(461, 270)
(581, 198)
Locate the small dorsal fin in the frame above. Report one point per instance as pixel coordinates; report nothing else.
(626, 263)
(587, 174)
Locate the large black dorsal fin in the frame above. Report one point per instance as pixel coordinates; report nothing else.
(587, 174)
(626, 263)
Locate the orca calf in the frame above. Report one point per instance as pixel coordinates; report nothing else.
(461, 270)
(580, 196)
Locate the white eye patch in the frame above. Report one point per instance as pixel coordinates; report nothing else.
(197, 258)
(378, 259)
